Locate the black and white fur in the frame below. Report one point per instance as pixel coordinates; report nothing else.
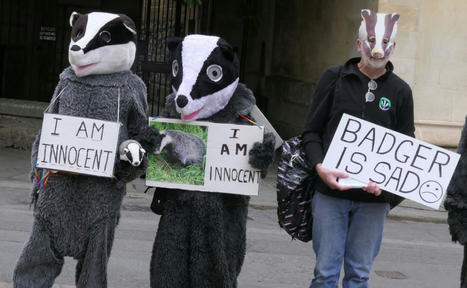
(201, 237)
(101, 43)
(185, 148)
(131, 151)
(75, 215)
(204, 75)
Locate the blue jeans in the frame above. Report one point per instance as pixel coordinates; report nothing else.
(345, 231)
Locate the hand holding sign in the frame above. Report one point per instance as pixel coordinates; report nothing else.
(372, 188)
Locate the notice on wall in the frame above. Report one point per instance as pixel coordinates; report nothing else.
(48, 33)
(204, 156)
(76, 144)
(399, 164)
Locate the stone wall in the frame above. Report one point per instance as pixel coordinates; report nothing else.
(309, 36)
(431, 56)
(298, 39)
(20, 121)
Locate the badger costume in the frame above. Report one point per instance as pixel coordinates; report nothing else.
(76, 215)
(456, 202)
(201, 237)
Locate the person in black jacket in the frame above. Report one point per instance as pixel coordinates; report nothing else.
(348, 222)
(456, 202)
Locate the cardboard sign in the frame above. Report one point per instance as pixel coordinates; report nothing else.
(204, 156)
(399, 164)
(268, 128)
(76, 144)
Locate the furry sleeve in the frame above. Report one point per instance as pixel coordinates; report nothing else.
(262, 153)
(139, 130)
(53, 108)
(456, 199)
(137, 124)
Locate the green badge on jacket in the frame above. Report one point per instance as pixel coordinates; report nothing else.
(384, 104)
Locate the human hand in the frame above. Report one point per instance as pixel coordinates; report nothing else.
(330, 177)
(372, 188)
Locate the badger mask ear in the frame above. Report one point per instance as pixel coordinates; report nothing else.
(226, 49)
(173, 42)
(128, 23)
(73, 17)
(365, 13)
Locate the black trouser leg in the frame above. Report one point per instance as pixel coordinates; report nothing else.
(463, 271)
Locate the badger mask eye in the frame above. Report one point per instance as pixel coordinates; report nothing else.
(174, 68)
(214, 72)
(105, 36)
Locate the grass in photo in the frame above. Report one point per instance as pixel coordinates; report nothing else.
(180, 155)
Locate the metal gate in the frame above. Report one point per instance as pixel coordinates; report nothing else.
(34, 39)
(162, 19)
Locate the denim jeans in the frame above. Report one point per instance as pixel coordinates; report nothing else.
(349, 232)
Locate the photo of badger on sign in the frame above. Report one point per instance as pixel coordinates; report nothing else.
(180, 153)
(186, 148)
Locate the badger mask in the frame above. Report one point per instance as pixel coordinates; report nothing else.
(377, 34)
(101, 43)
(205, 73)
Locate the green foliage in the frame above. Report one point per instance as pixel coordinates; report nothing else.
(159, 169)
(200, 131)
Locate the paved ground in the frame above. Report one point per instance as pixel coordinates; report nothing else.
(414, 253)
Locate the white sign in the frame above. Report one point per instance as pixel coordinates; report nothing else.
(399, 164)
(204, 156)
(76, 144)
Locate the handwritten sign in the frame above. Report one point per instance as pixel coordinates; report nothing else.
(76, 144)
(399, 164)
(224, 165)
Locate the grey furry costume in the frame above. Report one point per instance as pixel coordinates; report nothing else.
(456, 202)
(201, 237)
(76, 215)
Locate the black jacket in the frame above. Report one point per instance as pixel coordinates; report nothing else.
(341, 89)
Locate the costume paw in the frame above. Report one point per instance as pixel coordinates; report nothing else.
(147, 137)
(261, 155)
(131, 151)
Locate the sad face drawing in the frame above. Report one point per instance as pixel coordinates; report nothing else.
(431, 191)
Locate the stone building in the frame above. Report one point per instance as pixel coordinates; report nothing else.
(297, 40)
(284, 46)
